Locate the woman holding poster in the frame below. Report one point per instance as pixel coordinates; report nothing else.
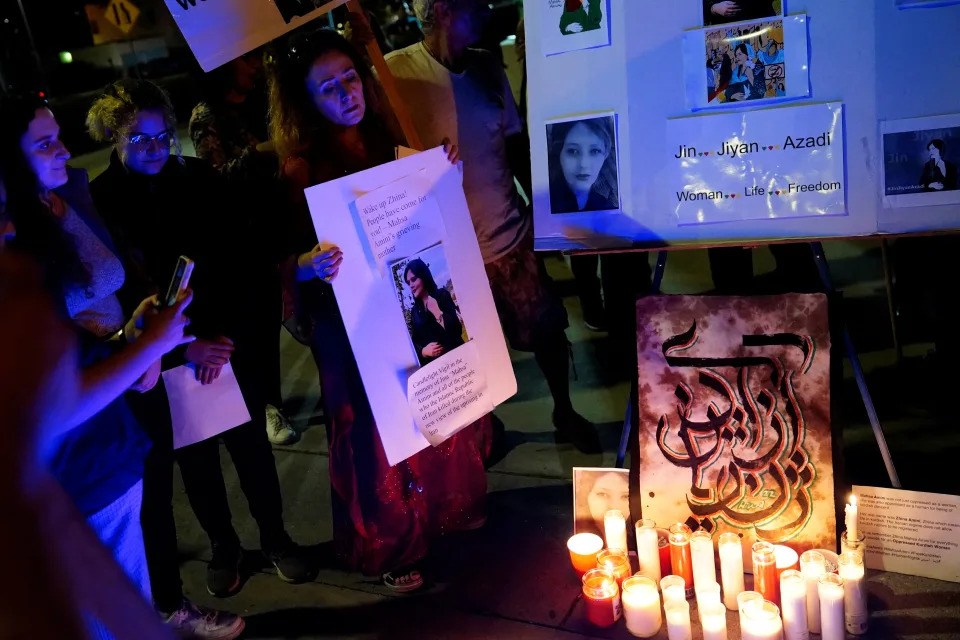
(327, 121)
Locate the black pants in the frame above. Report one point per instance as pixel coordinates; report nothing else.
(732, 269)
(624, 277)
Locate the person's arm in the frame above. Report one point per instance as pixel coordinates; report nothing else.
(517, 140)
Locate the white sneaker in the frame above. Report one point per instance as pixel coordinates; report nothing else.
(279, 430)
(194, 622)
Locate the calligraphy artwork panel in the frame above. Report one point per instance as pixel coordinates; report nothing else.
(734, 416)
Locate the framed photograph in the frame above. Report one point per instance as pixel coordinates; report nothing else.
(921, 160)
(726, 11)
(583, 164)
(596, 491)
(572, 25)
(429, 301)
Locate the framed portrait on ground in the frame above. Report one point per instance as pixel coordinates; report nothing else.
(734, 416)
(582, 156)
(760, 61)
(921, 160)
(571, 25)
(596, 491)
(726, 11)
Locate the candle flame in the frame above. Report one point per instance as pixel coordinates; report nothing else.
(853, 500)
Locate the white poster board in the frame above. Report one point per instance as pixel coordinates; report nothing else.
(220, 30)
(367, 293)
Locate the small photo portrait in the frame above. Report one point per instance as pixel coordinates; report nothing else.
(596, 491)
(921, 164)
(426, 294)
(726, 11)
(745, 62)
(583, 164)
(581, 15)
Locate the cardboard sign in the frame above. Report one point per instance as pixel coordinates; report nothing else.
(220, 30)
(911, 532)
(777, 163)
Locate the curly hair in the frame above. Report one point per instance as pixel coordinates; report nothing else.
(116, 109)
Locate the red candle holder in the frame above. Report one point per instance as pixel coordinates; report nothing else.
(681, 560)
(766, 580)
(663, 544)
(616, 562)
(602, 597)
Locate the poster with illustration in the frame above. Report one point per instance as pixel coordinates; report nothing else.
(571, 25)
(583, 163)
(596, 491)
(734, 417)
(763, 61)
(921, 160)
(726, 11)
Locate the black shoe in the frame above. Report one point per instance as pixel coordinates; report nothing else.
(291, 563)
(223, 572)
(574, 428)
(498, 447)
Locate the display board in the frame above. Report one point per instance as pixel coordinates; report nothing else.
(859, 58)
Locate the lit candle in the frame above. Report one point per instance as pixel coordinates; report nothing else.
(641, 606)
(830, 589)
(615, 530)
(648, 549)
(673, 588)
(680, 558)
(584, 548)
(744, 598)
(678, 620)
(701, 552)
(616, 562)
(602, 595)
(855, 612)
(765, 578)
(731, 568)
(663, 542)
(707, 593)
(713, 618)
(793, 605)
(787, 558)
(812, 566)
(851, 516)
(761, 621)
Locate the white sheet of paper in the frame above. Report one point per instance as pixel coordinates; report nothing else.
(202, 411)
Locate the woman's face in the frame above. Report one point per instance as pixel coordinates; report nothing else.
(582, 157)
(337, 89)
(145, 146)
(934, 152)
(415, 284)
(740, 56)
(610, 491)
(44, 151)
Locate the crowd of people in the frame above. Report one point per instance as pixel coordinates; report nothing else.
(104, 250)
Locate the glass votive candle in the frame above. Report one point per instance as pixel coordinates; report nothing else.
(672, 588)
(793, 605)
(680, 559)
(602, 596)
(743, 598)
(713, 619)
(731, 568)
(787, 558)
(641, 606)
(830, 588)
(855, 615)
(857, 545)
(663, 542)
(678, 620)
(648, 550)
(615, 530)
(707, 592)
(616, 562)
(761, 621)
(812, 566)
(584, 548)
(701, 553)
(765, 578)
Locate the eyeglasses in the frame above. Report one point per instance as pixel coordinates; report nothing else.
(142, 141)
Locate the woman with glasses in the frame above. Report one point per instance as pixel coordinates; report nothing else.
(163, 206)
(327, 122)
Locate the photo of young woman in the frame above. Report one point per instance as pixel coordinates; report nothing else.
(582, 160)
(596, 491)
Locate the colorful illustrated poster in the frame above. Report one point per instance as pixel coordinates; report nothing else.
(570, 25)
(582, 156)
(756, 62)
(921, 161)
(757, 165)
(734, 411)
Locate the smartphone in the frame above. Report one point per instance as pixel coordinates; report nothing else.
(179, 282)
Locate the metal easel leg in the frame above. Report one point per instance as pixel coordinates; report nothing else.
(824, 269)
(891, 306)
(634, 398)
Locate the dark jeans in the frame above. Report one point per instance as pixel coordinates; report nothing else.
(623, 278)
(732, 269)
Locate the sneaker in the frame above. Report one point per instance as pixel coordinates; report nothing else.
(290, 563)
(403, 580)
(195, 622)
(279, 430)
(574, 428)
(223, 572)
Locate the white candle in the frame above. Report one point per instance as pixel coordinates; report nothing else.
(731, 568)
(850, 517)
(793, 605)
(761, 621)
(713, 618)
(830, 588)
(615, 530)
(855, 612)
(678, 620)
(641, 606)
(812, 566)
(707, 593)
(648, 549)
(701, 550)
(673, 588)
(744, 598)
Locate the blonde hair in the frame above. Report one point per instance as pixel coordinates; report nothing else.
(116, 109)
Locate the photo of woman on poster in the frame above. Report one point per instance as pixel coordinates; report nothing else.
(725, 11)
(938, 174)
(582, 161)
(596, 491)
(580, 15)
(748, 62)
